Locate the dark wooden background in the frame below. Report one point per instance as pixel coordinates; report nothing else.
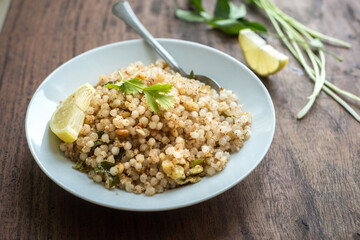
(307, 186)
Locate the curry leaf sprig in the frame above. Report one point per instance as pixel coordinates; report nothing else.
(300, 39)
(155, 95)
(228, 17)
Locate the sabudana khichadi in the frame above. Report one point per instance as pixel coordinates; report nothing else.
(148, 129)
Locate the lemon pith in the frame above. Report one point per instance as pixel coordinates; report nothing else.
(262, 58)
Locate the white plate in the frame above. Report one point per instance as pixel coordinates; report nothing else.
(230, 74)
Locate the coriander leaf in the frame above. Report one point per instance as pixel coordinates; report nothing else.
(188, 16)
(222, 9)
(164, 88)
(132, 86)
(152, 93)
(112, 85)
(237, 12)
(166, 101)
(151, 102)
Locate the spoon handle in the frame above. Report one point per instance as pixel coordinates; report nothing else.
(123, 10)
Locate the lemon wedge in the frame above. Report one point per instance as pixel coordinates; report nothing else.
(68, 118)
(262, 58)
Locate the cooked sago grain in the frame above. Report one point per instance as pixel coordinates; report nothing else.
(151, 153)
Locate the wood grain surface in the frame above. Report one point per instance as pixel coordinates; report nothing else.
(306, 187)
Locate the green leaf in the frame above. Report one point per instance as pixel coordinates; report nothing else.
(255, 26)
(192, 75)
(152, 93)
(114, 180)
(188, 16)
(222, 9)
(120, 156)
(96, 144)
(100, 133)
(206, 16)
(112, 86)
(237, 12)
(164, 88)
(198, 5)
(104, 167)
(232, 26)
(166, 101)
(151, 102)
(228, 26)
(81, 166)
(132, 86)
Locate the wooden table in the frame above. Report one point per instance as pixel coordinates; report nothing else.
(307, 186)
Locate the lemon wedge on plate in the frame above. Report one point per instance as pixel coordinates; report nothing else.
(68, 118)
(262, 58)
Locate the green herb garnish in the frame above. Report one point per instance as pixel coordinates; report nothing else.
(228, 17)
(155, 95)
(192, 75)
(104, 167)
(100, 133)
(81, 166)
(121, 154)
(96, 144)
(224, 114)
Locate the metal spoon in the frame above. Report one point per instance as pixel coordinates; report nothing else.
(123, 10)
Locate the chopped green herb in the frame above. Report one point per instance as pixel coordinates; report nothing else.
(121, 154)
(192, 75)
(192, 179)
(104, 167)
(155, 95)
(81, 166)
(96, 144)
(100, 133)
(224, 114)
